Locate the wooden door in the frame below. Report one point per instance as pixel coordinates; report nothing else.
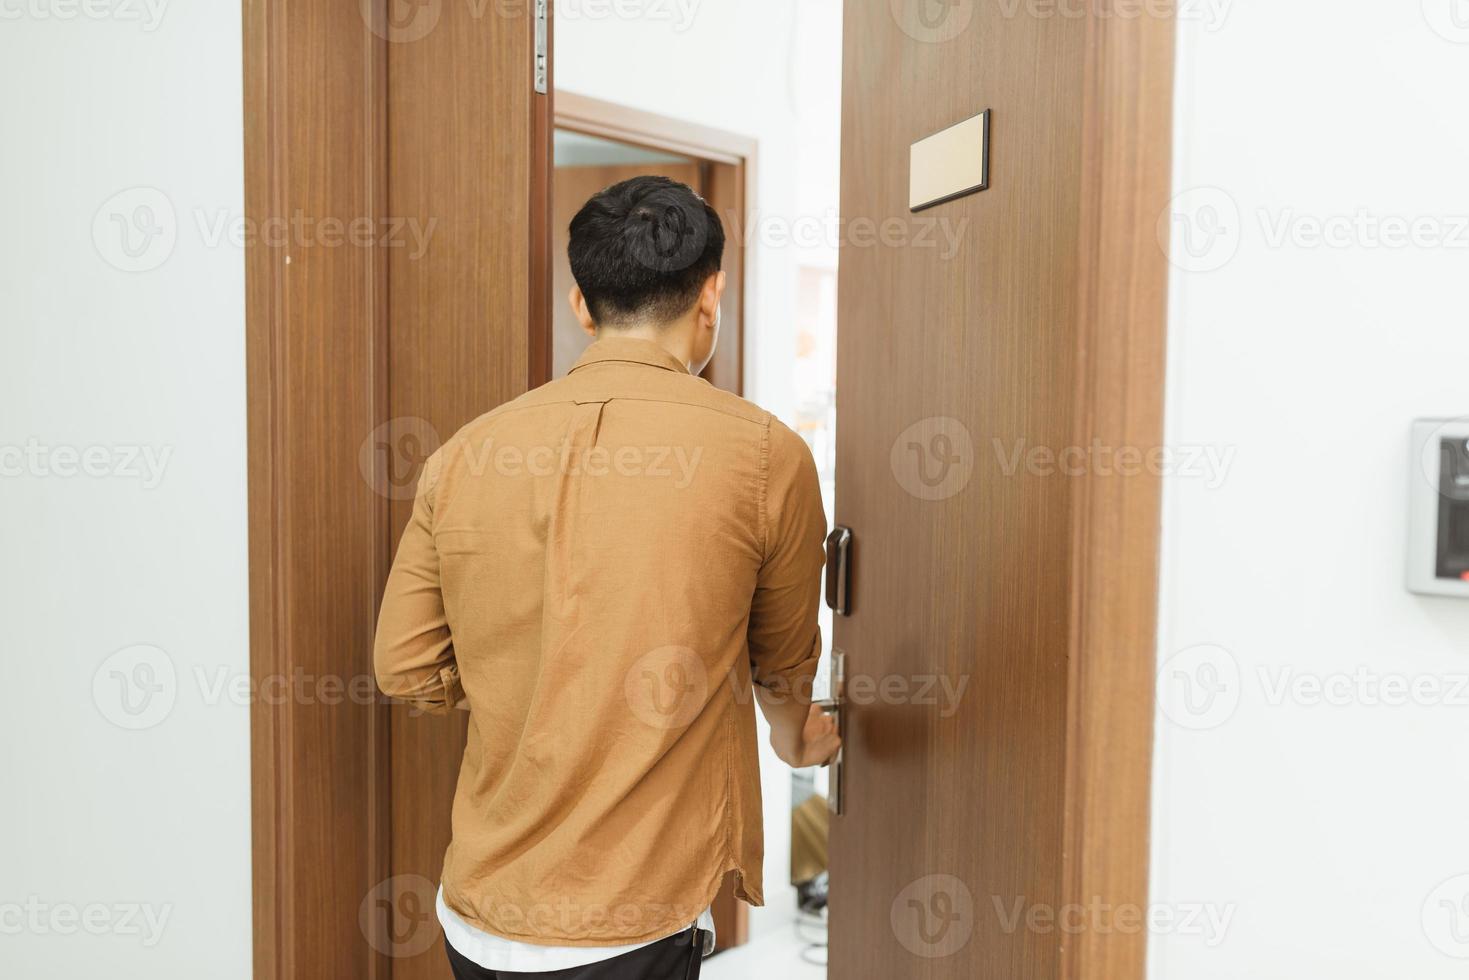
(999, 648)
(469, 149)
(406, 153)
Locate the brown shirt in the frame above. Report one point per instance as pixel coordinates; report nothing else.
(601, 568)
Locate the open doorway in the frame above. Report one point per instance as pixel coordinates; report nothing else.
(767, 126)
(596, 144)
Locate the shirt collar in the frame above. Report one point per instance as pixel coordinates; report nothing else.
(630, 349)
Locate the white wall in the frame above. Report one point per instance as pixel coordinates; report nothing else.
(1323, 825)
(769, 69)
(127, 837)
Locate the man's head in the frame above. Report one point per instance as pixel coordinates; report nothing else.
(645, 254)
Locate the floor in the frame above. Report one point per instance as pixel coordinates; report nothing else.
(774, 951)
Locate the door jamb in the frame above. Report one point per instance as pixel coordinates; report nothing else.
(597, 117)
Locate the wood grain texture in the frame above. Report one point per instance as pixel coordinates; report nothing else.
(610, 120)
(970, 587)
(468, 146)
(1123, 281)
(724, 186)
(313, 150)
(991, 347)
(263, 301)
(358, 356)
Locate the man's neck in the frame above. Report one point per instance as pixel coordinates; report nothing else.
(676, 338)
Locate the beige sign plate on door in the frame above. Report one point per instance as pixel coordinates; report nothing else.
(950, 163)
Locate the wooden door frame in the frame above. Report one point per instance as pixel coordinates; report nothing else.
(610, 120)
(1126, 169)
(286, 755)
(730, 188)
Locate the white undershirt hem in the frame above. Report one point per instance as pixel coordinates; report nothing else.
(498, 953)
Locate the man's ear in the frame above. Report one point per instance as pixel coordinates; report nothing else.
(579, 309)
(711, 294)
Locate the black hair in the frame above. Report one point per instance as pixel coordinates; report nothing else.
(642, 249)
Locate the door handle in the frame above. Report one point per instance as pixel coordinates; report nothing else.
(835, 706)
(839, 570)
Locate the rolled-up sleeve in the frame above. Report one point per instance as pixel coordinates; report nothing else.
(785, 640)
(413, 656)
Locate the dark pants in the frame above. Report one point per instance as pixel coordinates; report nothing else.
(675, 958)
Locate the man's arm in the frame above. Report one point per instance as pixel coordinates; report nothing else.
(785, 641)
(801, 734)
(414, 653)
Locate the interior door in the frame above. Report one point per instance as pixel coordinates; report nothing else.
(397, 164)
(998, 648)
(469, 155)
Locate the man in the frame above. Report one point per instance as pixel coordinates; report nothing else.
(598, 571)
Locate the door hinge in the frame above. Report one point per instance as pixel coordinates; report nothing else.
(543, 55)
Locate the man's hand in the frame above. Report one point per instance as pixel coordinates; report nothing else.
(819, 739)
(800, 732)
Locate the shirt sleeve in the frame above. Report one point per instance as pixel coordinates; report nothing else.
(785, 640)
(413, 656)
